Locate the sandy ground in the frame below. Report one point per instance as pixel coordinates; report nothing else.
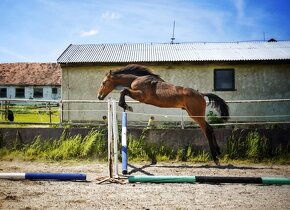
(27, 194)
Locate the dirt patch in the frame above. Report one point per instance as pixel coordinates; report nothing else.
(90, 195)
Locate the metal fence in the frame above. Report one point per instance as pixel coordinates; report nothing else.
(50, 112)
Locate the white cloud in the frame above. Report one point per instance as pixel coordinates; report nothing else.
(91, 32)
(239, 5)
(108, 15)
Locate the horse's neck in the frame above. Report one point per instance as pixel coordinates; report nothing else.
(125, 80)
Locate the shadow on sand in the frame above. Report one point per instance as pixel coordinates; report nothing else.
(229, 166)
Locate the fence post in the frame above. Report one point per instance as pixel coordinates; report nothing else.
(60, 112)
(49, 109)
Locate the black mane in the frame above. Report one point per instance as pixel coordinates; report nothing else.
(134, 69)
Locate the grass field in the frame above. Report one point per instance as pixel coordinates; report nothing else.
(33, 114)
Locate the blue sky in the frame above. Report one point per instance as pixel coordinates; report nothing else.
(40, 30)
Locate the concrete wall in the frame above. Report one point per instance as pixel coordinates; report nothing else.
(174, 138)
(252, 81)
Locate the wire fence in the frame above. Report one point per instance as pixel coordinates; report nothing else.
(51, 112)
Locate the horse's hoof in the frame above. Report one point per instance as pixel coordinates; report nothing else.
(153, 161)
(129, 108)
(217, 162)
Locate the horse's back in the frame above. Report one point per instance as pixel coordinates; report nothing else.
(156, 91)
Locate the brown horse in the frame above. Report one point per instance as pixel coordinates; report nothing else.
(146, 87)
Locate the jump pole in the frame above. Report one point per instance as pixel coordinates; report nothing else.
(44, 176)
(209, 179)
(113, 138)
(124, 144)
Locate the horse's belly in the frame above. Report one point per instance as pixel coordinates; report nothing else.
(164, 95)
(165, 102)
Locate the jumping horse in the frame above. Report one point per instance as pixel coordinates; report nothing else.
(141, 84)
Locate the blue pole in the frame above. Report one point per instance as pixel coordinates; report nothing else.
(124, 143)
(56, 176)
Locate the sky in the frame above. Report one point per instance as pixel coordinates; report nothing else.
(40, 30)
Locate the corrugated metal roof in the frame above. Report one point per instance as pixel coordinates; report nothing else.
(162, 52)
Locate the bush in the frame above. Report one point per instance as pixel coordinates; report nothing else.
(213, 118)
(254, 146)
(257, 146)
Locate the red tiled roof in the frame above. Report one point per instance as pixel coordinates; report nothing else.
(30, 74)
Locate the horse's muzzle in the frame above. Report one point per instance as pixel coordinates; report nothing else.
(100, 97)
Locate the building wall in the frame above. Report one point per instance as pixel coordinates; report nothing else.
(252, 81)
(29, 90)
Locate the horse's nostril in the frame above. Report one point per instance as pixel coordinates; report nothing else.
(100, 97)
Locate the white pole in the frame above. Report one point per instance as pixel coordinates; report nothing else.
(182, 120)
(60, 113)
(14, 176)
(116, 138)
(110, 137)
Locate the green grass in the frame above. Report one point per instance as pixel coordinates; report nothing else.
(75, 147)
(33, 114)
(36, 118)
(255, 148)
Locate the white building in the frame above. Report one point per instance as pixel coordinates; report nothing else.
(30, 81)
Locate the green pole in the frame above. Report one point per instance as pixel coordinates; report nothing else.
(276, 180)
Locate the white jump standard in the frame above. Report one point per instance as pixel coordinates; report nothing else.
(113, 138)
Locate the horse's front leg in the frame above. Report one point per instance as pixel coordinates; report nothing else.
(122, 102)
(134, 94)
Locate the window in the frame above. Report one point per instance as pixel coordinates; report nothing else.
(3, 92)
(37, 92)
(20, 92)
(224, 79)
(54, 90)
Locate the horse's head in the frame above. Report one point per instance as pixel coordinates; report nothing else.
(106, 87)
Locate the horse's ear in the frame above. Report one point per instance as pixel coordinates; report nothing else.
(109, 73)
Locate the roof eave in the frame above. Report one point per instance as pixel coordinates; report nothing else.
(75, 64)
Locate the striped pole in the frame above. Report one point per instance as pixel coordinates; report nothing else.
(209, 179)
(44, 176)
(124, 144)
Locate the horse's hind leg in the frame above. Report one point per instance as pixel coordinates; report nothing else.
(210, 130)
(209, 134)
(197, 112)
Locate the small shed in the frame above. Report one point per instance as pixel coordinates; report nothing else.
(233, 70)
(30, 81)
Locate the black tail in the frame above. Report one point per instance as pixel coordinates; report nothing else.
(219, 104)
